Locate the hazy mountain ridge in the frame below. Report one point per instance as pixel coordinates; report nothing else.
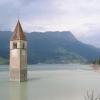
(51, 47)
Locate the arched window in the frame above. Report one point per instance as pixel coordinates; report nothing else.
(14, 45)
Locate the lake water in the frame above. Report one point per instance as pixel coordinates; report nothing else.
(51, 82)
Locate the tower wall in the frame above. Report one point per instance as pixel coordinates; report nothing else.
(18, 60)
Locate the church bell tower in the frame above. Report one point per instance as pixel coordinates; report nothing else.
(18, 55)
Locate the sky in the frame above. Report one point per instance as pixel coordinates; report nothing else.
(81, 17)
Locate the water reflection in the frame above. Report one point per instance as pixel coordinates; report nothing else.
(18, 91)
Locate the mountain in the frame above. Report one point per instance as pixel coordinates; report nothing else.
(51, 47)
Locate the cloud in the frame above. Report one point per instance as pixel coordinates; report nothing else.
(91, 35)
(82, 17)
(26, 2)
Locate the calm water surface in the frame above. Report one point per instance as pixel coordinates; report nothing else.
(51, 67)
(51, 82)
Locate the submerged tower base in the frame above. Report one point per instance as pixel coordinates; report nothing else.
(18, 75)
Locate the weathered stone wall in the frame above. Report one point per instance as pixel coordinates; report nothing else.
(18, 61)
(18, 75)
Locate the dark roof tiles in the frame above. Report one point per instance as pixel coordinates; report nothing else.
(18, 33)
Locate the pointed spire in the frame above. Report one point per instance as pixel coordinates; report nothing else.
(18, 33)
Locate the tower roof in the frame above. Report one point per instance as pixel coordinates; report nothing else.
(18, 33)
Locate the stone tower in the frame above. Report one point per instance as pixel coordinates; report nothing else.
(18, 55)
